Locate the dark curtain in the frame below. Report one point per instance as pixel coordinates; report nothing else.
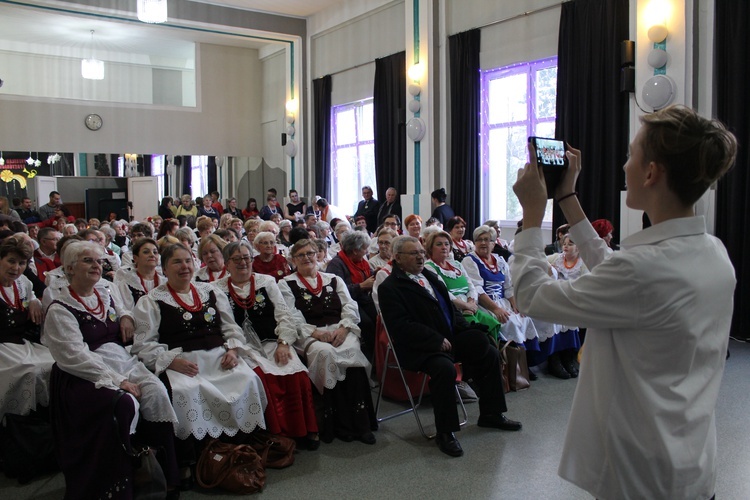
(322, 135)
(731, 73)
(212, 175)
(389, 101)
(186, 174)
(592, 113)
(463, 194)
(146, 165)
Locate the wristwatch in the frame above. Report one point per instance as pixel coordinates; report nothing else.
(282, 342)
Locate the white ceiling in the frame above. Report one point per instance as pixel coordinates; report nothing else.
(297, 8)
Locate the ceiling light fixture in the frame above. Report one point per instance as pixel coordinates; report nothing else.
(152, 11)
(92, 69)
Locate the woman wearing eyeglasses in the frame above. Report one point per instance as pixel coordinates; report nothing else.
(84, 330)
(328, 321)
(490, 275)
(261, 312)
(270, 262)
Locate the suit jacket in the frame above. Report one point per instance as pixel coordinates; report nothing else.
(370, 211)
(414, 319)
(385, 210)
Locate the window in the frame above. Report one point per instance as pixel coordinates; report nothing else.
(518, 101)
(157, 170)
(352, 153)
(199, 175)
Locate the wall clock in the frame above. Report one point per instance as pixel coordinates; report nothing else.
(93, 122)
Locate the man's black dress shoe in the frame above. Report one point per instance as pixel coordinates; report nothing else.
(448, 444)
(499, 422)
(368, 438)
(556, 369)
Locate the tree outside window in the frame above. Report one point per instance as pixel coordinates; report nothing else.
(352, 153)
(518, 101)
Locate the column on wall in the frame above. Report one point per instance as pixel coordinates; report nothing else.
(421, 21)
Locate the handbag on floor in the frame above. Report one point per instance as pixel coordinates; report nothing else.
(515, 367)
(277, 450)
(234, 467)
(149, 482)
(27, 446)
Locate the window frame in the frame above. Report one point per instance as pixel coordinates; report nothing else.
(529, 68)
(357, 106)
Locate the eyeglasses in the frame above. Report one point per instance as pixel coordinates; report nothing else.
(309, 255)
(266, 243)
(415, 253)
(482, 240)
(91, 261)
(386, 243)
(239, 260)
(390, 224)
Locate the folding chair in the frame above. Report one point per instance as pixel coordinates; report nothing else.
(391, 362)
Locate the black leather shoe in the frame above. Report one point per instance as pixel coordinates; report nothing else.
(572, 368)
(532, 376)
(556, 369)
(368, 438)
(499, 422)
(448, 444)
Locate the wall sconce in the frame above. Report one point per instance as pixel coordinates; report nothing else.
(287, 139)
(152, 11)
(659, 90)
(219, 160)
(2, 160)
(656, 15)
(415, 73)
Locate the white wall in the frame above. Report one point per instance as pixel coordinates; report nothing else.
(226, 121)
(350, 48)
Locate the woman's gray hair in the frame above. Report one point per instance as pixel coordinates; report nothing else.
(234, 246)
(321, 225)
(261, 235)
(108, 231)
(399, 241)
(355, 240)
(485, 230)
(73, 251)
(342, 225)
(429, 230)
(185, 233)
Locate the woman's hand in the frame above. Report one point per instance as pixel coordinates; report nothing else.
(338, 336)
(502, 314)
(367, 284)
(321, 335)
(127, 328)
(472, 306)
(568, 183)
(184, 366)
(229, 360)
(36, 312)
(283, 354)
(131, 388)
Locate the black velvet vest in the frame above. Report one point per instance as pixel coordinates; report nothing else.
(198, 331)
(261, 314)
(319, 311)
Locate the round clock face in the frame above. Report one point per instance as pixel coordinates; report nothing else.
(93, 122)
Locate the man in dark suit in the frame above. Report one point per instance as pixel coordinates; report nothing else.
(392, 206)
(368, 208)
(430, 335)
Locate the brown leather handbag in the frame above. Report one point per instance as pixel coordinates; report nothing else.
(278, 451)
(515, 367)
(233, 467)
